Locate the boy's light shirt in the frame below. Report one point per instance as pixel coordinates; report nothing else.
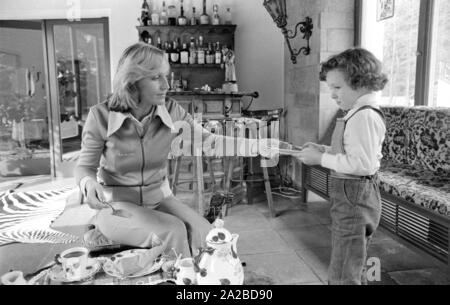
(363, 138)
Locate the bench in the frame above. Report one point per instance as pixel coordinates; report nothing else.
(414, 179)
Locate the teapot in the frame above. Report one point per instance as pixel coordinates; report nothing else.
(218, 263)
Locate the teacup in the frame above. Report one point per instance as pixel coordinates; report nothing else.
(185, 272)
(13, 278)
(74, 262)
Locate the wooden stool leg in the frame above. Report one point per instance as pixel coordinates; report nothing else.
(198, 164)
(242, 183)
(229, 176)
(211, 175)
(268, 191)
(175, 175)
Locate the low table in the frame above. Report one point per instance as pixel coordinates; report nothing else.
(102, 278)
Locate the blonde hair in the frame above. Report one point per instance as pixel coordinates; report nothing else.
(138, 61)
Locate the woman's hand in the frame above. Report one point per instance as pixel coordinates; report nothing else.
(316, 146)
(268, 147)
(94, 195)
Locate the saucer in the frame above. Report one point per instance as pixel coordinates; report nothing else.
(57, 274)
(110, 268)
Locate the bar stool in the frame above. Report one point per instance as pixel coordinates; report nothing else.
(196, 176)
(240, 128)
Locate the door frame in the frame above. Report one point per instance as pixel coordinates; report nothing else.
(60, 168)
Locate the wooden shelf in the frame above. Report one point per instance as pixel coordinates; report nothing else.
(197, 66)
(209, 93)
(197, 75)
(186, 27)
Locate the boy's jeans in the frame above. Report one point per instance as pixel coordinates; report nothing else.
(355, 214)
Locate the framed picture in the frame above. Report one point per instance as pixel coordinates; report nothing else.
(385, 9)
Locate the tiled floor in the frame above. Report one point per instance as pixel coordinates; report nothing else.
(293, 248)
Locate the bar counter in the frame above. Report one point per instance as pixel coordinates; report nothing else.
(212, 105)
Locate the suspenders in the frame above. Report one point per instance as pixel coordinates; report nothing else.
(337, 143)
(369, 107)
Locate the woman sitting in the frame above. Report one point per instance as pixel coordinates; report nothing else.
(126, 143)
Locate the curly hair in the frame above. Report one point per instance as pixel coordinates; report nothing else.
(138, 61)
(360, 67)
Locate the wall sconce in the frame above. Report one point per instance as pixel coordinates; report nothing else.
(277, 10)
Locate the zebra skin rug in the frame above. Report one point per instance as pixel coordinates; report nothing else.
(26, 217)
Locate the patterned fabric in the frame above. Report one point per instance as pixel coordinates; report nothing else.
(429, 134)
(394, 146)
(26, 216)
(418, 136)
(416, 156)
(423, 187)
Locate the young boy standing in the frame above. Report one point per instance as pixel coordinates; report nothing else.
(354, 159)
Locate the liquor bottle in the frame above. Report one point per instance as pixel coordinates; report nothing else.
(172, 20)
(169, 51)
(166, 51)
(228, 16)
(154, 16)
(216, 18)
(163, 17)
(175, 54)
(200, 52)
(218, 54)
(158, 44)
(213, 54)
(147, 39)
(181, 19)
(209, 54)
(172, 81)
(184, 55)
(204, 18)
(192, 52)
(182, 83)
(193, 17)
(145, 15)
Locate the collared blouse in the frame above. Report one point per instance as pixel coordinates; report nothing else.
(128, 157)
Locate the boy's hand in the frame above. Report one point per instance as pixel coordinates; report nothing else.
(310, 156)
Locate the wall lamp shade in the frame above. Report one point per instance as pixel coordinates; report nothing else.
(277, 10)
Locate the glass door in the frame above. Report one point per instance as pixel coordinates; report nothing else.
(24, 122)
(79, 71)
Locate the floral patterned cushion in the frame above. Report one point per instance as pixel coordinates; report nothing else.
(394, 146)
(418, 136)
(429, 138)
(419, 186)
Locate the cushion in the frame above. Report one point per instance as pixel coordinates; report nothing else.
(429, 138)
(418, 136)
(419, 186)
(394, 146)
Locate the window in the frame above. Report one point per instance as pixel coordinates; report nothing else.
(440, 56)
(412, 38)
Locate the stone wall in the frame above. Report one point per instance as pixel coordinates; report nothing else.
(310, 112)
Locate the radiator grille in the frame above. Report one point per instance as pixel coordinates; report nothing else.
(420, 231)
(318, 179)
